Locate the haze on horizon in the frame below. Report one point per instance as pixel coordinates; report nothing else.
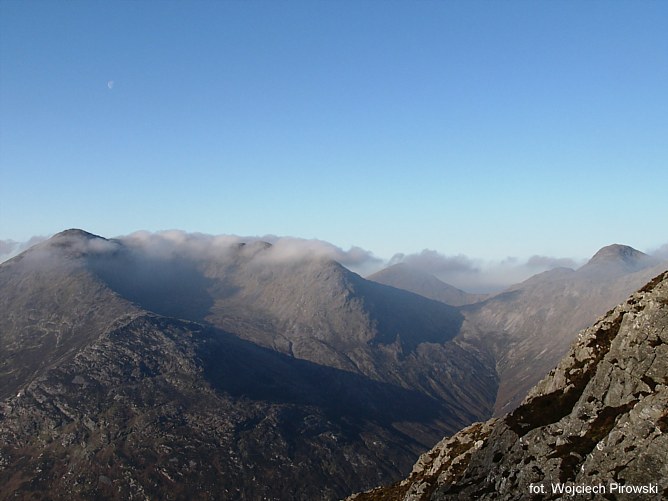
(483, 135)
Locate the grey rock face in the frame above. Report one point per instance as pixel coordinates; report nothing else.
(164, 409)
(599, 419)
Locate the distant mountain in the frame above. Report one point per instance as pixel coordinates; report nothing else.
(618, 259)
(135, 372)
(531, 325)
(406, 277)
(598, 421)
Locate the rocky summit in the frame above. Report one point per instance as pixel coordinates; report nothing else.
(595, 428)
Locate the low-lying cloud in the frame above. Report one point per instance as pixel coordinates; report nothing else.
(291, 248)
(7, 247)
(435, 263)
(464, 272)
(11, 248)
(548, 263)
(175, 243)
(473, 275)
(469, 274)
(660, 252)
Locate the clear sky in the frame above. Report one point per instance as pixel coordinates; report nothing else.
(489, 129)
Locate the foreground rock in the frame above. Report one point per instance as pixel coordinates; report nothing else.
(598, 421)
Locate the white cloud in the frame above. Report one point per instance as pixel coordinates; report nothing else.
(547, 263)
(660, 252)
(435, 263)
(469, 274)
(10, 248)
(291, 248)
(474, 275)
(173, 243)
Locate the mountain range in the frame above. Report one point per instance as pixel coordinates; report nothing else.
(529, 327)
(128, 373)
(132, 370)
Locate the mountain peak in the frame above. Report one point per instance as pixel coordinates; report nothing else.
(75, 233)
(617, 259)
(617, 253)
(76, 243)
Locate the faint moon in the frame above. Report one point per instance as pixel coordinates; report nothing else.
(110, 84)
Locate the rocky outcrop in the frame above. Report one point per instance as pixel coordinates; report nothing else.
(596, 427)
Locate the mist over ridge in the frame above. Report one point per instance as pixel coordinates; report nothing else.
(470, 274)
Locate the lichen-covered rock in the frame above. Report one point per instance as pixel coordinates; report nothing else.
(595, 428)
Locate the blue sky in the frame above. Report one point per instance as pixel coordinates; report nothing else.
(488, 129)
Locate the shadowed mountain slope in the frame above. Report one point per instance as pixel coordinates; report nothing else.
(600, 418)
(312, 309)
